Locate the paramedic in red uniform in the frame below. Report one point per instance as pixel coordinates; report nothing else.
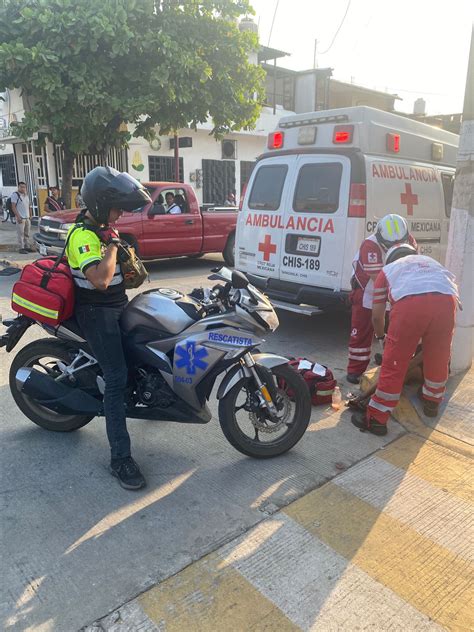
(423, 298)
(391, 229)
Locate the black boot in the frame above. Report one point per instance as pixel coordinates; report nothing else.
(368, 425)
(128, 473)
(430, 408)
(353, 378)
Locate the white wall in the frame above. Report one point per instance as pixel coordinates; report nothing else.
(249, 146)
(305, 91)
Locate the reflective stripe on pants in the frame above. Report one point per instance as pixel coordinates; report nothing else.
(362, 333)
(426, 316)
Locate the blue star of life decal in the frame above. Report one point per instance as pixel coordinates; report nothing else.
(191, 358)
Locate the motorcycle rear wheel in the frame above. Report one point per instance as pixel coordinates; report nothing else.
(291, 388)
(47, 351)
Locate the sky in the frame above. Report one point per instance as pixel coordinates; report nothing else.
(414, 48)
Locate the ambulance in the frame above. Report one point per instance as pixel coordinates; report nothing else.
(318, 191)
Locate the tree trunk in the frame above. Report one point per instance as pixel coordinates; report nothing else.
(68, 163)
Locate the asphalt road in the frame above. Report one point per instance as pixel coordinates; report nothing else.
(74, 545)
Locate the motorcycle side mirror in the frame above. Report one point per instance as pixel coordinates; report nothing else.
(239, 280)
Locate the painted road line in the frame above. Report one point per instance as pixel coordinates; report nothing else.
(437, 465)
(426, 575)
(209, 596)
(432, 512)
(313, 585)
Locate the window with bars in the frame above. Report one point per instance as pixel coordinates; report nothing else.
(116, 158)
(7, 167)
(246, 168)
(161, 169)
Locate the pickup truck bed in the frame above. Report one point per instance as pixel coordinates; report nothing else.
(155, 233)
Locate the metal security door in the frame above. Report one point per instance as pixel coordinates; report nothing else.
(218, 179)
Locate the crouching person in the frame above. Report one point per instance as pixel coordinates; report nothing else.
(423, 298)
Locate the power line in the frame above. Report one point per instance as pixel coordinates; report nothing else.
(338, 29)
(273, 22)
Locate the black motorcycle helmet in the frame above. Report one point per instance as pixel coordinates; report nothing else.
(398, 251)
(105, 188)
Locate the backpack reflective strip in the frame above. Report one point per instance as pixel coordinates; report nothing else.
(325, 392)
(33, 307)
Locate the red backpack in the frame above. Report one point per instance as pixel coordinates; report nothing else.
(321, 387)
(45, 291)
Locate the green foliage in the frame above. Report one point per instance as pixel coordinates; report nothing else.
(84, 66)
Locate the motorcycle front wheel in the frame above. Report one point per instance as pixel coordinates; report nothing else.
(248, 427)
(44, 356)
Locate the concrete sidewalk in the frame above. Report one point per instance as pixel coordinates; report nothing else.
(387, 544)
(384, 545)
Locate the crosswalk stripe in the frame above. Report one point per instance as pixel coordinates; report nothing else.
(209, 596)
(441, 467)
(429, 577)
(313, 585)
(429, 510)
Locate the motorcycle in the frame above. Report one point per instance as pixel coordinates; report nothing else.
(176, 346)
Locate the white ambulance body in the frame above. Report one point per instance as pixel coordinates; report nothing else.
(319, 190)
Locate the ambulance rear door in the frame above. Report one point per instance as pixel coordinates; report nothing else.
(314, 221)
(413, 190)
(260, 229)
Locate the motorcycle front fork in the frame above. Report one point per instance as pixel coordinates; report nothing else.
(266, 398)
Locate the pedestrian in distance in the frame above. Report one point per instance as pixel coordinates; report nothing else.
(369, 260)
(22, 211)
(92, 253)
(423, 296)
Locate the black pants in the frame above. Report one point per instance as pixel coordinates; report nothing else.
(101, 329)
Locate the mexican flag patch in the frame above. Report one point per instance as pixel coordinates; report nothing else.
(83, 249)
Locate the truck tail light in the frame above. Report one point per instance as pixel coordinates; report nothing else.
(342, 134)
(393, 143)
(275, 140)
(357, 200)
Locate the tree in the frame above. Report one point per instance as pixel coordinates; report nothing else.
(86, 67)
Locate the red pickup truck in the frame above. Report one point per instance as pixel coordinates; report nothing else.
(154, 232)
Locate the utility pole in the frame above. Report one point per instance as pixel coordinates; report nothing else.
(459, 257)
(314, 54)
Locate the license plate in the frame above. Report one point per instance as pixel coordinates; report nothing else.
(306, 245)
(43, 250)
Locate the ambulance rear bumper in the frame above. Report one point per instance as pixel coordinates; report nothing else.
(297, 294)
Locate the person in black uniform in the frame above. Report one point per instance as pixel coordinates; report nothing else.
(100, 299)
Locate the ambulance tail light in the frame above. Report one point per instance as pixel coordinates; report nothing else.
(393, 143)
(275, 140)
(357, 200)
(342, 134)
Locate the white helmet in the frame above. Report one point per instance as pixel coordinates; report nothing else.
(391, 229)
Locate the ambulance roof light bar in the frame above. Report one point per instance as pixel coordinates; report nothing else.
(275, 140)
(315, 120)
(343, 134)
(393, 143)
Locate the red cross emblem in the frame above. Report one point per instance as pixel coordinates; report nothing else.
(409, 198)
(267, 248)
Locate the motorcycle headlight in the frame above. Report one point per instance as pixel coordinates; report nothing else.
(269, 317)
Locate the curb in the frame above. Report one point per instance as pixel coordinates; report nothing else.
(408, 417)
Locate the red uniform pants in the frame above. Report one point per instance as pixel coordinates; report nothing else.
(429, 317)
(362, 333)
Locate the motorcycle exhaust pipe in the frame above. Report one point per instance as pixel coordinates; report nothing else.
(55, 395)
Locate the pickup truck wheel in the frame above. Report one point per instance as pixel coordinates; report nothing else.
(229, 251)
